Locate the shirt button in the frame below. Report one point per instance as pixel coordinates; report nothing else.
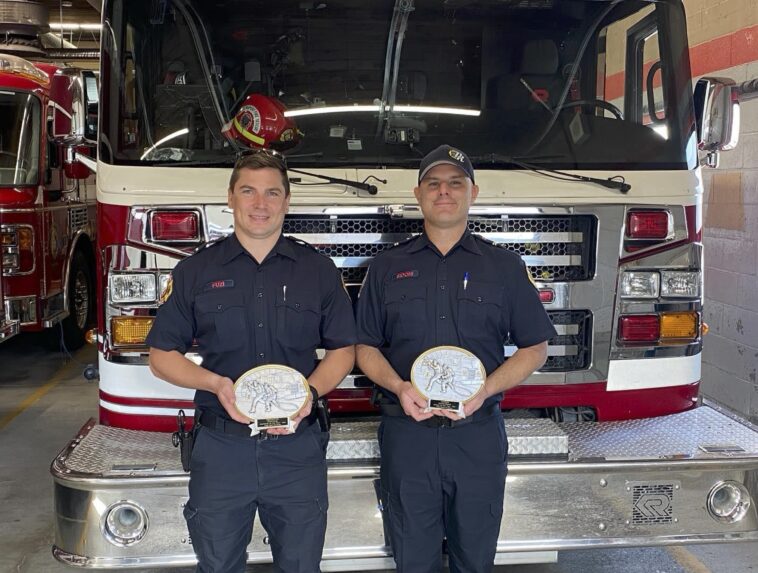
(479, 299)
(261, 355)
(260, 295)
(297, 305)
(442, 287)
(442, 317)
(219, 306)
(260, 325)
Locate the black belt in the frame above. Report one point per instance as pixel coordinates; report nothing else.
(396, 410)
(210, 420)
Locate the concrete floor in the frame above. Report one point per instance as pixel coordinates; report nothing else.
(44, 400)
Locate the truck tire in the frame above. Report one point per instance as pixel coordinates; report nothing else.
(81, 297)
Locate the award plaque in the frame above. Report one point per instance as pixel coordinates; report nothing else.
(448, 377)
(271, 396)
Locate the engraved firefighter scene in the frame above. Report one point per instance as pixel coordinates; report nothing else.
(448, 373)
(270, 392)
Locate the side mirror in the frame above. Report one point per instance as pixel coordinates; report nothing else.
(91, 104)
(717, 111)
(78, 165)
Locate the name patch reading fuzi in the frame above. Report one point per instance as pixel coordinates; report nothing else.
(219, 284)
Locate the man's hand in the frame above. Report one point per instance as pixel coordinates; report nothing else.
(413, 404)
(469, 407)
(306, 410)
(224, 390)
(476, 401)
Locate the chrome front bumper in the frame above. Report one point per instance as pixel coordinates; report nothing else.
(572, 485)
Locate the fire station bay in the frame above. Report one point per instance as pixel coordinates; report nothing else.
(414, 285)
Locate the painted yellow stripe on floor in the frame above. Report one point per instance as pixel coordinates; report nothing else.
(61, 374)
(687, 560)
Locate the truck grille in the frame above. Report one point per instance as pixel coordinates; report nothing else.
(554, 247)
(570, 350)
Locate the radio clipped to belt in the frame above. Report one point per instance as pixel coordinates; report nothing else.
(321, 409)
(184, 440)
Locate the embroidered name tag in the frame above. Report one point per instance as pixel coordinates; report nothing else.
(406, 275)
(219, 284)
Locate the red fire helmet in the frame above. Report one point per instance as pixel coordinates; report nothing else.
(260, 122)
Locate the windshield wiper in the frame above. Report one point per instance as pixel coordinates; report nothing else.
(361, 185)
(617, 183)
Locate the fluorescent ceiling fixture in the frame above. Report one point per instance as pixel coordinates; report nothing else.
(67, 27)
(376, 108)
(164, 140)
(443, 110)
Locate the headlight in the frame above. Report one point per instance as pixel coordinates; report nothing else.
(680, 284)
(639, 284)
(138, 287)
(728, 501)
(125, 523)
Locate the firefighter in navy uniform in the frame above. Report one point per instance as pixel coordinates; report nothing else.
(255, 298)
(442, 475)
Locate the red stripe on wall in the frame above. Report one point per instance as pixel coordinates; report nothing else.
(736, 49)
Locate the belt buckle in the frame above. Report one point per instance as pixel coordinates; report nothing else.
(264, 436)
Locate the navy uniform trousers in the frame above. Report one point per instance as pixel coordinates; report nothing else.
(442, 483)
(284, 479)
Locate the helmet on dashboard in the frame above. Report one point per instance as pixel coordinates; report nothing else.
(260, 122)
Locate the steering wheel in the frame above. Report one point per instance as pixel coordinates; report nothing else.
(602, 104)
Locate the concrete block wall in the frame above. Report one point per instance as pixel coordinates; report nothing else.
(723, 37)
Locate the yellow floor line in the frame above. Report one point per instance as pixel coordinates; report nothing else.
(687, 560)
(57, 378)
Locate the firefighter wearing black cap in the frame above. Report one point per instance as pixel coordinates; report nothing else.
(443, 476)
(252, 299)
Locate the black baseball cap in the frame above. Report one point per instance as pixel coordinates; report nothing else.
(445, 154)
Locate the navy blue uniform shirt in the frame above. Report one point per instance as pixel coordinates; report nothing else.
(244, 314)
(413, 299)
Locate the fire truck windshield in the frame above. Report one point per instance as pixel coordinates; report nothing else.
(569, 84)
(19, 138)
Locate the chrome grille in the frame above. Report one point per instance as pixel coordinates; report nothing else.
(571, 349)
(554, 247)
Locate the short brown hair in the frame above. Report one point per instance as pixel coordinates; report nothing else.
(261, 159)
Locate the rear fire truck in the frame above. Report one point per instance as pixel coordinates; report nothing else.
(580, 120)
(47, 200)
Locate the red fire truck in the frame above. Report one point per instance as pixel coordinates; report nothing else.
(8, 328)
(581, 123)
(47, 200)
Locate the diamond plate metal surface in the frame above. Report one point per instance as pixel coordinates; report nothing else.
(104, 449)
(701, 433)
(537, 436)
(353, 441)
(683, 435)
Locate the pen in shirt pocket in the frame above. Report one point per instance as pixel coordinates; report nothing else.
(465, 280)
(284, 293)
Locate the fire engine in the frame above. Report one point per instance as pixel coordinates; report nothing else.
(580, 119)
(47, 199)
(8, 328)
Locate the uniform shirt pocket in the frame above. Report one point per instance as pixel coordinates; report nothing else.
(480, 311)
(298, 318)
(221, 321)
(405, 304)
